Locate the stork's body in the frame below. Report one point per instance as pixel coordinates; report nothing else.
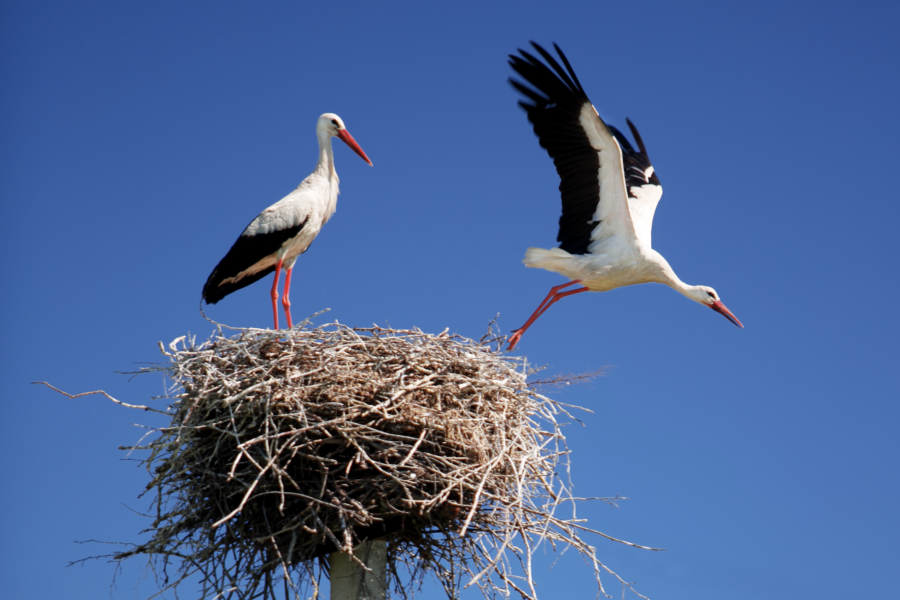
(609, 193)
(285, 230)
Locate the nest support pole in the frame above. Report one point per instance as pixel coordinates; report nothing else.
(350, 581)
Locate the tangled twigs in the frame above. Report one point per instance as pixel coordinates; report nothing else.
(286, 446)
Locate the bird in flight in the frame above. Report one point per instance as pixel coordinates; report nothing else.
(609, 192)
(285, 230)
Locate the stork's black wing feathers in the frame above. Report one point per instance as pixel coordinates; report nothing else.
(634, 163)
(214, 290)
(556, 100)
(246, 252)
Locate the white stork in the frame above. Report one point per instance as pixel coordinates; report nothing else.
(285, 230)
(609, 192)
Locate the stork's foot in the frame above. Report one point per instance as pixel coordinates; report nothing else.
(516, 336)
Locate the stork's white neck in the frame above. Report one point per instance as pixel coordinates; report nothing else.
(694, 292)
(325, 170)
(326, 154)
(667, 276)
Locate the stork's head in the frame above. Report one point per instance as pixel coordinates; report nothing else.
(332, 124)
(708, 296)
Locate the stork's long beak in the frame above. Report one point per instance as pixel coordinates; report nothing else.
(348, 139)
(720, 308)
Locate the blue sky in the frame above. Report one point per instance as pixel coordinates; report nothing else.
(138, 139)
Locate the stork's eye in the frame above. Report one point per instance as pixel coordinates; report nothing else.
(334, 121)
(711, 295)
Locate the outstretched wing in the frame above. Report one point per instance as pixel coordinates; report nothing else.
(644, 190)
(585, 151)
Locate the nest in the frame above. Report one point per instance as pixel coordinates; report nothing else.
(286, 446)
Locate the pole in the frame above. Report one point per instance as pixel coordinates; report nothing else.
(349, 581)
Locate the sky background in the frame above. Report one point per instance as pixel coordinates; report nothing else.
(138, 139)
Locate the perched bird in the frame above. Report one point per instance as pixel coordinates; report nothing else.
(609, 192)
(285, 230)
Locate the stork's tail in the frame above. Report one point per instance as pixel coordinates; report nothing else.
(555, 259)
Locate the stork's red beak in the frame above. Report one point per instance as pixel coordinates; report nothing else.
(348, 139)
(720, 308)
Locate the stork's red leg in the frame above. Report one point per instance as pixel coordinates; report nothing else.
(275, 292)
(552, 297)
(284, 298)
(547, 302)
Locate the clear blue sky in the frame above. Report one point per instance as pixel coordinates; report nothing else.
(138, 139)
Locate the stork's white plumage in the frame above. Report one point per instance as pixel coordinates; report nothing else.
(609, 192)
(284, 231)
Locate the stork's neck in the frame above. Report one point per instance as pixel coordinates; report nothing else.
(667, 276)
(326, 155)
(325, 170)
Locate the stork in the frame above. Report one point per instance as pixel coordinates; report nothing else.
(609, 192)
(285, 230)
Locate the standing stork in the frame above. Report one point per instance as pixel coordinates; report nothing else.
(285, 230)
(609, 192)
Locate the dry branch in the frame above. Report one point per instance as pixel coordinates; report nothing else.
(286, 446)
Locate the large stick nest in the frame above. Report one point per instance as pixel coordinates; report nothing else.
(287, 446)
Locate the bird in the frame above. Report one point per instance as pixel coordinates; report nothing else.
(279, 234)
(609, 192)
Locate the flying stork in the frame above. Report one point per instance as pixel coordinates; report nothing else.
(285, 230)
(609, 192)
